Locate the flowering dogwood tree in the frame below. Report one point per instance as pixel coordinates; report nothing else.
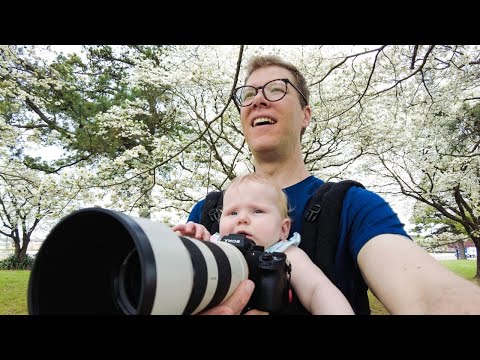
(153, 128)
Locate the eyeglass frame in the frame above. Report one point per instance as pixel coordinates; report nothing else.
(257, 88)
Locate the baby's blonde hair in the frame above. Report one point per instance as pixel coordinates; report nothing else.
(282, 201)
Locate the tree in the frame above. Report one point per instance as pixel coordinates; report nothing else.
(97, 110)
(441, 231)
(433, 155)
(157, 129)
(28, 198)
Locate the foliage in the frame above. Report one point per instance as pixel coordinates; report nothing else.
(149, 130)
(14, 262)
(28, 197)
(440, 231)
(427, 149)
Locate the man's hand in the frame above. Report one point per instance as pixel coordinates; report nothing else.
(236, 302)
(194, 230)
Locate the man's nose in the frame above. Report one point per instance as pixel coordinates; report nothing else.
(259, 98)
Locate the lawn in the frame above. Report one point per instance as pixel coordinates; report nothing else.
(14, 284)
(13, 292)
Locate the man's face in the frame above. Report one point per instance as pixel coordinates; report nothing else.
(286, 116)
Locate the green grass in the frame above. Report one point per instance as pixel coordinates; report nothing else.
(464, 268)
(14, 284)
(13, 292)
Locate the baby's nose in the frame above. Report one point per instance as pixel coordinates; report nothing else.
(243, 218)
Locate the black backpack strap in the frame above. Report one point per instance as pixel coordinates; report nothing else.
(320, 233)
(211, 211)
(321, 224)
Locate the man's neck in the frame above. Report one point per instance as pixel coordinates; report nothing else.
(285, 172)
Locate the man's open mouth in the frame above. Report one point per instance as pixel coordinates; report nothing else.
(263, 121)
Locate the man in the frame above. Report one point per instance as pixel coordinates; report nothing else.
(373, 249)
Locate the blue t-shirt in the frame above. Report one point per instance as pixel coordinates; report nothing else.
(364, 215)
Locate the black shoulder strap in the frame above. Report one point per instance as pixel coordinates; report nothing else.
(211, 210)
(320, 231)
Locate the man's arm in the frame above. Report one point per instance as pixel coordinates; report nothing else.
(407, 280)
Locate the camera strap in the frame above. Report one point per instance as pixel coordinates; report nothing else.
(283, 245)
(280, 246)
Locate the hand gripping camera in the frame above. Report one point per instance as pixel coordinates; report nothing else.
(269, 271)
(99, 261)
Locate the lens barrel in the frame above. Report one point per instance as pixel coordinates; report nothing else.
(100, 261)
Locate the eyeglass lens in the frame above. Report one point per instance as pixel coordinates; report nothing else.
(272, 91)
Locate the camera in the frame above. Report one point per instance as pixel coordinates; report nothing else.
(100, 261)
(269, 271)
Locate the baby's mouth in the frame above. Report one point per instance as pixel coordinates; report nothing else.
(244, 233)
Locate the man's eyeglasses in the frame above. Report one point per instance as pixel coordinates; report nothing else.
(274, 90)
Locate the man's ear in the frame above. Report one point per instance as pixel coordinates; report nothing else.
(307, 116)
(286, 223)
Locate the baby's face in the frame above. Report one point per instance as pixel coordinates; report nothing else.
(251, 208)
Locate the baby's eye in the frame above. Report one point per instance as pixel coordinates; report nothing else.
(258, 211)
(232, 213)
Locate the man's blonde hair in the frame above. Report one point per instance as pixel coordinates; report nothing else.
(259, 62)
(282, 201)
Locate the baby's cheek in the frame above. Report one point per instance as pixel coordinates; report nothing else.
(225, 228)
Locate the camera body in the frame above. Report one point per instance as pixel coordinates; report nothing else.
(269, 271)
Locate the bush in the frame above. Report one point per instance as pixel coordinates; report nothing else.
(13, 262)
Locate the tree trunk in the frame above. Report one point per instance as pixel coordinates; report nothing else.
(21, 247)
(477, 275)
(476, 242)
(461, 250)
